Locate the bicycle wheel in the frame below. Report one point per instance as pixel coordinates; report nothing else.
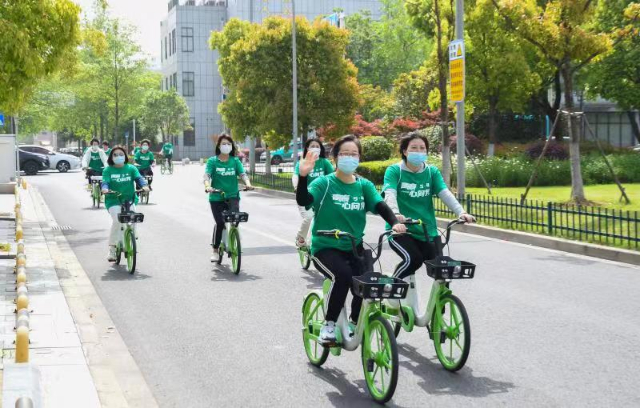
(118, 253)
(130, 250)
(312, 312)
(451, 333)
(146, 197)
(163, 168)
(235, 250)
(380, 359)
(305, 257)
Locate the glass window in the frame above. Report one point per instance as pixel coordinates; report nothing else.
(187, 39)
(165, 47)
(175, 80)
(170, 44)
(188, 84)
(174, 41)
(190, 135)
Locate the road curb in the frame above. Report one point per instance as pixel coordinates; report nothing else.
(542, 241)
(118, 379)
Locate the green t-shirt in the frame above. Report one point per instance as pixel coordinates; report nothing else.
(341, 206)
(135, 151)
(323, 167)
(95, 162)
(415, 195)
(121, 180)
(144, 159)
(107, 152)
(167, 149)
(224, 176)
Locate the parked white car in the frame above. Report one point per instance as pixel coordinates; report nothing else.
(57, 161)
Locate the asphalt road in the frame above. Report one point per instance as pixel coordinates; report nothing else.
(549, 329)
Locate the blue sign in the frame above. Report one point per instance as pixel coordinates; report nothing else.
(1, 119)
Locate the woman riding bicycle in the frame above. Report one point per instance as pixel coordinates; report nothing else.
(221, 173)
(144, 159)
(409, 187)
(167, 152)
(94, 160)
(340, 201)
(322, 167)
(120, 177)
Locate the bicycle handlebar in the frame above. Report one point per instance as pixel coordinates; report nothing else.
(215, 190)
(338, 234)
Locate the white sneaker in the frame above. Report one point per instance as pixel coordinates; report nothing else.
(215, 257)
(328, 333)
(112, 253)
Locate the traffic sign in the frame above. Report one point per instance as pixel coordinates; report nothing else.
(1, 119)
(456, 70)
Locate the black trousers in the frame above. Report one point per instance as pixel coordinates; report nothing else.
(217, 207)
(340, 267)
(413, 253)
(147, 172)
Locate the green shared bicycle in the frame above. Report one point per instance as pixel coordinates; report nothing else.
(127, 245)
(379, 351)
(445, 316)
(144, 195)
(304, 254)
(166, 167)
(96, 194)
(231, 235)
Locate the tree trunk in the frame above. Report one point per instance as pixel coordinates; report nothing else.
(577, 185)
(633, 119)
(267, 163)
(493, 125)
(444, 106)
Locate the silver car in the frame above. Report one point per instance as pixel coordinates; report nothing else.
(57, 161)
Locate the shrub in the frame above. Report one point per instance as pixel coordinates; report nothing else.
(555, 151)
(404, 125)
(472, 143)
(374, 170)
(376, 148)
(364, 128)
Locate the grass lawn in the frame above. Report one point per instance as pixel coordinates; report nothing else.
(603, 195)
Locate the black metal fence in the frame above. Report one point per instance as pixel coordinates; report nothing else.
(589, 224)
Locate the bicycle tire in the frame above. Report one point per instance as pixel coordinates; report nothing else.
(235, 250)
(316, 353)
(131, 253)
(118, 254)
(389, 353)
(305, 258)
(441, 334)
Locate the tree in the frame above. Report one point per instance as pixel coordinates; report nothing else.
(384, 49)
(436, 19)
(411, 92)
(376, 103)
(617, 75)
(166, 112)
(255, 65)
(498, 74)
(33, 47)
(565, 34)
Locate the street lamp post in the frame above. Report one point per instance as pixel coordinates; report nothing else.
(460, 146)
(295, 82)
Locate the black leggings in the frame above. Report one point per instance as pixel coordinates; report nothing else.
(413, 253)
(217, 207)
(147, 172)
(340, 267)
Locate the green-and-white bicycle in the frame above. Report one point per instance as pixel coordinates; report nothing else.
(166, 167)
(231, 235)
(372, 331)
(127, 245)
(445, 316)
(96, 194)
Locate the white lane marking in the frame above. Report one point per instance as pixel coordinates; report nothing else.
(272, 237)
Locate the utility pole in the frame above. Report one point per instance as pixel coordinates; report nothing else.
(460, 146)
(294, 54)
(134, 131)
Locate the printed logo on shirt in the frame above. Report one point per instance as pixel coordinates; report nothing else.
(223, 171)
(423, 190)
(121, 178)
(318, 173)
(349, 203)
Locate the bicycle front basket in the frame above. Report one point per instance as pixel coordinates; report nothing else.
(443, 267)
(235, 216)
(125, 218)
(375, 285)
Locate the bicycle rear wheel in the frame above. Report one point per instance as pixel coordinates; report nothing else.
(130, 250)
(118, 253)
(451, 333)
(380, 359)
(235, 250)
(313, 312)
(305, 257)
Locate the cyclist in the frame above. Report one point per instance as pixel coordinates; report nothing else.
(221, 173)
(94, 161)
(340, 201)
(322, 168)
(409, 187)
(106, 148)
(144, 159)
(167, 152)
(120, 177)
(134, 149)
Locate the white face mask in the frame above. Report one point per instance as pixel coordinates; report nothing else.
(94, 148)
(226, 148)
(315, 150)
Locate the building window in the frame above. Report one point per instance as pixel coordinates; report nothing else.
(187, 39)
(161, 53)
(188, 84)
(174, 41)
(190, 135)
(170, 44)
(175, 80)
(166, 84)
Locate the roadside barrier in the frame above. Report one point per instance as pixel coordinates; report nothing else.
(22, 294)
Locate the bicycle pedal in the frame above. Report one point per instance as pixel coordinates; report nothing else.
(370, 365)
(443, 337)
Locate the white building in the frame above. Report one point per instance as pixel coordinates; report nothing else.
(190, 66)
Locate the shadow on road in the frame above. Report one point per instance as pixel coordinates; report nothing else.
(223, 273)
(438, 381)
(120, 273)
(314, 278)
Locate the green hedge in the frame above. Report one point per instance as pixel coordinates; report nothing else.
(516, 171)
(376, 148)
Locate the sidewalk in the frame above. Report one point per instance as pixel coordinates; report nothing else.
(76, 357)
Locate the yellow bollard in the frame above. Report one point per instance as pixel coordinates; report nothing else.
(21, 277)
(22, 345)
(18, 205)
(21, 261)
(24, 184)
(19, 233)
(21, 247)
(22, 302)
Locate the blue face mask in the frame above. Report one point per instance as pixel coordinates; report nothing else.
(348, 164)
(118, 159)
(416, 158)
